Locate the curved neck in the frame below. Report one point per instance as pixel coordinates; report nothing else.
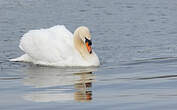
(80, 45)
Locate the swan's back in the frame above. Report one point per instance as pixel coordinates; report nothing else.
(52, 45)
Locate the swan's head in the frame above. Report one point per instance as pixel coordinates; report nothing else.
(85, 36)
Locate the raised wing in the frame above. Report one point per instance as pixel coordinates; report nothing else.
(48, 45)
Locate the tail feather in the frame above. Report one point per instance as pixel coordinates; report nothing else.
(23, 58)
(14, 59)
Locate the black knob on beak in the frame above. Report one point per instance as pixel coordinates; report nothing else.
(89, 41)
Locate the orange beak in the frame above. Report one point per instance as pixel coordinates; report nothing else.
(89, 48)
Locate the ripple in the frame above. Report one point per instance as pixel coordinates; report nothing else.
(158, 60)
(9, 78)
(146, 78)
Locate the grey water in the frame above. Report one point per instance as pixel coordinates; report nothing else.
(136, 41)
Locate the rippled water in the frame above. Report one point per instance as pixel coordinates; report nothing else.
(136, 41)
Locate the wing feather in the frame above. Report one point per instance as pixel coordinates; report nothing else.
(51, 45)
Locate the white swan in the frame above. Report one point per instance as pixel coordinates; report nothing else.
(57, 46)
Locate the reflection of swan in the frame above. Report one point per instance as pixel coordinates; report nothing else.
(84, 94)
(48, 97)
(54, 84)
(56, 46)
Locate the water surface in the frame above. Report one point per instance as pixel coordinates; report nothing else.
(134, 39)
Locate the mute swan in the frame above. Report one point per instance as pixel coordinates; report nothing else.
(57, 46)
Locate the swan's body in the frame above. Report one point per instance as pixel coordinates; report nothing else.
(57, 46)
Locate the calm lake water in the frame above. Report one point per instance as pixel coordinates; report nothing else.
(136, 41)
